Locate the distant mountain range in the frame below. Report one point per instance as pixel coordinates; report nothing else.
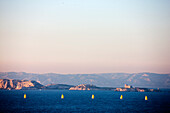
(148, 80)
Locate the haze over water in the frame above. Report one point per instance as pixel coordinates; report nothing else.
(73, 36)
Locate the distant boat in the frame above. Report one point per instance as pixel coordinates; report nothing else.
(121, 97)
(146, 98)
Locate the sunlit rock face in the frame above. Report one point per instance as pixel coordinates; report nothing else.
(83, 87)
(19, 84)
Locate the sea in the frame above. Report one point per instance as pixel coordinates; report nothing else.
(49, 101)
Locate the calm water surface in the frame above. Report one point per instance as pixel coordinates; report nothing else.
(80, 101)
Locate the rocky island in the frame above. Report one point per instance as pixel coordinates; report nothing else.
(129, 88)
(11, 84)
(90, 87)
(126, 88)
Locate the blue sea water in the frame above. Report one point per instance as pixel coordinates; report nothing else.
(80, 101)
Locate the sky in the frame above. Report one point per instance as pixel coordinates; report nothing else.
(85, 36)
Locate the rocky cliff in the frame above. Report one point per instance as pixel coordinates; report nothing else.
(84, 87)
(19, 84)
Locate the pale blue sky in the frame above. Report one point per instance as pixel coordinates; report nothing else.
(85, 36)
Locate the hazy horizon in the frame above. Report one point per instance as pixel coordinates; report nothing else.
(76, 73)
(72, 36)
